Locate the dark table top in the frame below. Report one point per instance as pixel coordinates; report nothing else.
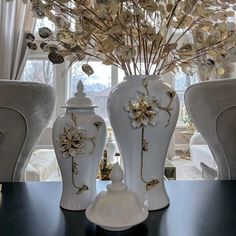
(197, 208)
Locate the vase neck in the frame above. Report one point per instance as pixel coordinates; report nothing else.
(150, 77)
(79, 110)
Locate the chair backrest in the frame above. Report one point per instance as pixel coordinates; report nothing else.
(25, 110)
(212, 107)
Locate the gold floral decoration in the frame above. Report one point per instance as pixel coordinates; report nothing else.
(140, 36)
(72, 142)
(143, 111)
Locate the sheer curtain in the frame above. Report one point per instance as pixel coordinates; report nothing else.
(15, 19)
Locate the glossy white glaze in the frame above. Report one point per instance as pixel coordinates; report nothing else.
(130, 142)
(117, 208)
(87, 162)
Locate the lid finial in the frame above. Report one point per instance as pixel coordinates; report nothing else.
(80, 90)
(117, 177)
(80, 100)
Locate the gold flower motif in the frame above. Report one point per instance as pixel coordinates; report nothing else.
(72, 141)
(142, 110)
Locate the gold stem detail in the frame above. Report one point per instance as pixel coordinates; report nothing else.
(149, 183)
(74, 164)
(75, 171)
(168, 108)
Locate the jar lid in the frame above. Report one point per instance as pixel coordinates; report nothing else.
(117, 208)
(80, 99)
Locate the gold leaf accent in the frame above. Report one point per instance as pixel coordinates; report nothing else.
(98, 124)
(145, 145)
(75, 167)
(151, 184)
(82, 189)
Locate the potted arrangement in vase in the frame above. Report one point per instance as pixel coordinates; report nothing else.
(146, 39)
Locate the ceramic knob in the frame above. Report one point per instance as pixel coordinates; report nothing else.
(117, 208)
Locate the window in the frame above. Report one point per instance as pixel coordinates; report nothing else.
(40, 71)
(96, 86)
(43, 23)
(182, 82)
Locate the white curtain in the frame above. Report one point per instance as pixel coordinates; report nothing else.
(15, 19)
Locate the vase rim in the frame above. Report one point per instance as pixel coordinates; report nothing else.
(127, 77)
(79, 107)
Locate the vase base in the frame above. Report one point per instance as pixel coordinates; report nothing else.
(160, 208)
(72, 209)
(116, 228)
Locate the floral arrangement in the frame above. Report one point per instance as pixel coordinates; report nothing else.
(139, 36)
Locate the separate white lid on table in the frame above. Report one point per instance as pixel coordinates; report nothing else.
(117, 208)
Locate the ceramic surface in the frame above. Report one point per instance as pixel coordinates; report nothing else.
(79, 171)
(130, 142)
(118, 212)
(217, 104)
(117, 208)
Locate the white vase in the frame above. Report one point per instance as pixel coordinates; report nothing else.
(144, 144)
(79, 163)
(111, 148)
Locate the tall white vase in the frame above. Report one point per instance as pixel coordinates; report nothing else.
(79, 138)
(143, 111)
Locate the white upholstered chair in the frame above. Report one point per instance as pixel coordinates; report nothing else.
(202, 157)
(212, 107)
(25, 110)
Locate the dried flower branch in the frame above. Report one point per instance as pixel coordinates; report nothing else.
(139, 36)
